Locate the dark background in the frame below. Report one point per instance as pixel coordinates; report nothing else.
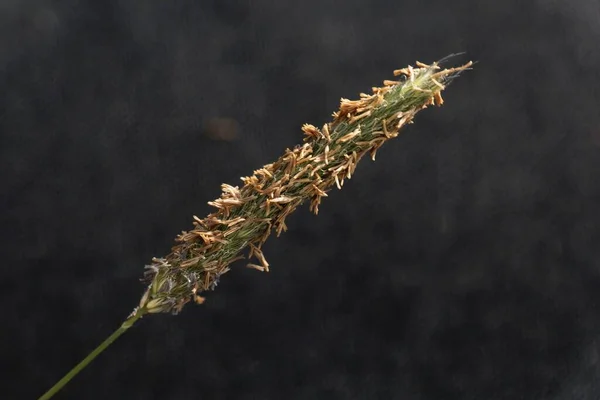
(463, 264)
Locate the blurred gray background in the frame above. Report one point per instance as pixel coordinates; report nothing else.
(463, 264)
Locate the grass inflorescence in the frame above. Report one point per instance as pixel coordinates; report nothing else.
(246, 216)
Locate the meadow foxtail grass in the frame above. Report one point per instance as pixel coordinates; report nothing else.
(246, 216)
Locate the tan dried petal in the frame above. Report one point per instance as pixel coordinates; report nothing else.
(311, 131)
(326, 132)
(257, 267)
(256, 251)
(350, 136)
(281, 200)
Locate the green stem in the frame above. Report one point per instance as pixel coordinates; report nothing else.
(79, 367)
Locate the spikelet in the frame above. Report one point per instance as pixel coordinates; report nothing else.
(246, 216)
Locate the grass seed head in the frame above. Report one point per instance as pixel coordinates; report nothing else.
(245, 217)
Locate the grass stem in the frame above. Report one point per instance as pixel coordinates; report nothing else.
(90, 357)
